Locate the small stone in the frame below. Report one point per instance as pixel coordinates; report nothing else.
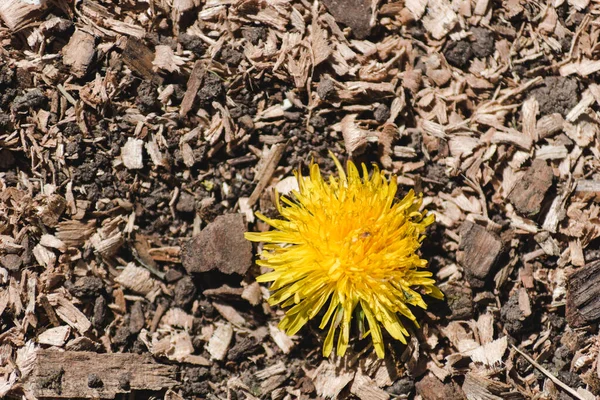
(193, 43)
(460, 301)
(100, 309)
(458, 53)
(246, 122)
(403, 386)
(137, 318)
(211, 88)
(325, 88)
(86, 286)
(173, 275)
(512, 315)
(11, 262)
(482, 42)
(254, 34)
(382, 113)
(94, 381)
(221, 245)
(131, 154)
(186, 203)
(185, 292)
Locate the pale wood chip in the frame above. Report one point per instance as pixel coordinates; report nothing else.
(281, 339)
(53, 242)
(252, 293)
(178, 318)
(218, 345)
(138, 280)
(131, 153)
(366, 389)
(230, 314)
(69, 313)
(440, 18)
(139, 372)
(328, 381)
(55, 336)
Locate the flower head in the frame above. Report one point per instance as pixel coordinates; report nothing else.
(344, 245)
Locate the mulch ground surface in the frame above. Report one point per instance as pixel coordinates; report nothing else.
(137, 139)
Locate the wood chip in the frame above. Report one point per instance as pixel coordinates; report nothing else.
(220, 341)
(131, 154)
(69, 313)
(221, 246)
(529, 192)
(68, 374)
(583, 295)
(79, 53)
(55, 336)
(480, 252)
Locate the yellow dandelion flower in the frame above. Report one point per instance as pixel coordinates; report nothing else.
(346, 244)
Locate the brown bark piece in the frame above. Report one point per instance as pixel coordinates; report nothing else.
(431, 388)
(78, 374)
(79, 53)
(221, 245)
(193, 85)
(529, 192)
(354, 13)
(139, 58)
(583, 295)
(481, 250)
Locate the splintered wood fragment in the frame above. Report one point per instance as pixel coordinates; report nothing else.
(79, 374)
(583, 295)
(74, 233)
(557, 210)
(329, 381)
(193, 85)
(587, 186)
(139, 58)
(549, 125)
(79, 53)
(230, 314)
(366, 388)
(55, 336)
(281, 339)
(480, 387)
(489, 354)
(138, 280)
(252, 293)
(69, 313)
(18, 13)
(440, 18)
(220, 341)
(480, 251)
(529, 192)
(584, 67)
(548, 374)
(268, 164)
